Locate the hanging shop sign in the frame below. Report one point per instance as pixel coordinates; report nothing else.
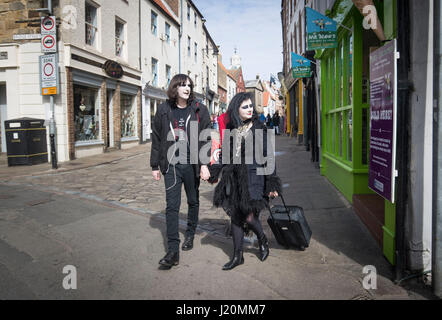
(113, 69)
(49, 74)
(321, 31)
(301, 67)
(383, 106)
(48, 34)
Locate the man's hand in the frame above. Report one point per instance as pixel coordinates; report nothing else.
(273, 194)
(204, 173)
(156, 175)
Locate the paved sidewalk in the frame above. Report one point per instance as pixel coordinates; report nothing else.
(104, 215)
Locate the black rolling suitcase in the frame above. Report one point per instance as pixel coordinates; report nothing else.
(289, 226)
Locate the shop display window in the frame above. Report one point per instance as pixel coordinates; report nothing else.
(128, 116)
(86, 113)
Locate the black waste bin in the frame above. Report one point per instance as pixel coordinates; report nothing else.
(26, 141)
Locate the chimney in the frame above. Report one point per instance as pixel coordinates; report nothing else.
(257, 77)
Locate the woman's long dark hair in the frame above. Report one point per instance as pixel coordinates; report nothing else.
(233, 110)
(172, 91)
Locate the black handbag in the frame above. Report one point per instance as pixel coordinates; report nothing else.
(289, 226)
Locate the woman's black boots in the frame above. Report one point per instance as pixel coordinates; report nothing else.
(237, 259)
(263, 247)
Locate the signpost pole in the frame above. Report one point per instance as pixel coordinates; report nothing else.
(52, 127)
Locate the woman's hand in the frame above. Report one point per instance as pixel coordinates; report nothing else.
(205, 173)
(156, 175)
(273, 194)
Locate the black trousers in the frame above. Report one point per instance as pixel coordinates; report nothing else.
(174, 179)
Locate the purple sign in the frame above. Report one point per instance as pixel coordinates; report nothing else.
(381, 174)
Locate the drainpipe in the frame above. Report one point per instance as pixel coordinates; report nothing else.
(179, 37)
(437, 191)
(403, 43)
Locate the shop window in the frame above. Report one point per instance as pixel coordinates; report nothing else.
(91, 24)
(350, 70)
(370, 43)
(341, 137)
(86, 113)
(341, 102)
(349, 135)
(128, 116)
(365, 136)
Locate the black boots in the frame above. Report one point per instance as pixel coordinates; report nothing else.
(170, 259)
(188, 244)
(237, 259)
(263, 247)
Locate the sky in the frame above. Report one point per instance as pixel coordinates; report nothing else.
(252, 26)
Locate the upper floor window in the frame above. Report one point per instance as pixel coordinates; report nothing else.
(91, 22)
(167, 28)
(168, 75)
(196, 52)
(154, 72)
(154, 23)
(188, 12)
(196, 20)
(188, 46)
(119, 38)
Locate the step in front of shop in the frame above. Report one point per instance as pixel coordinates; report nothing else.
(371, 210)
(3, 159)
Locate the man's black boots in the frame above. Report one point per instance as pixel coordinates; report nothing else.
(237, 259)
(170, 259)
(188, 244)
(263, 247)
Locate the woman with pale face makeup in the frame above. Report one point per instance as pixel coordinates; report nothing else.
(242, 191)
(174, 119)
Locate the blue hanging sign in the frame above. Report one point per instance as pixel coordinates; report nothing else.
(321, 31)
(301, 66)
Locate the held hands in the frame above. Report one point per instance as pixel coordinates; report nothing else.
(156, 175)
(273, 194)
(204, 173)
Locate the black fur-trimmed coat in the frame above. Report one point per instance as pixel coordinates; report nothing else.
(241, 190)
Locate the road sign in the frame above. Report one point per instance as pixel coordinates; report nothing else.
(49, 74)
(48, 34)
(48, 25)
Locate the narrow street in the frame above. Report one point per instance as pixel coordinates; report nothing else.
(106, 218)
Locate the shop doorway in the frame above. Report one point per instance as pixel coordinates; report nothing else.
(110, 140)
(3, 116)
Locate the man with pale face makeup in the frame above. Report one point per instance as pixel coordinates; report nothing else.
(171, 127)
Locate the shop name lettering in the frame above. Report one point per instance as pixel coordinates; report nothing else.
(321, 36)
(382, 115)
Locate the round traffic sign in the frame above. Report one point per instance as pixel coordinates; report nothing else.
(48, 41)
(48, 69)
(48, 23)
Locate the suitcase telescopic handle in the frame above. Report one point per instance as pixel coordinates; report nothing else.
(286, 209)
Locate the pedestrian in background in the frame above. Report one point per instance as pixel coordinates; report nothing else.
(275, 121)
(173, 118)
(242, 192)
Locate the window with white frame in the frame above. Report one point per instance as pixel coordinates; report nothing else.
(188, 46)
(153, 23)
(167, 33)
(168, 75)
(154, 72)
(91, 22)
(119, 38)
(196, 52)
(188, 12)
(196, 20)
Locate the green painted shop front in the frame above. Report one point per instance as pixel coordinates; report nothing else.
(345, 118)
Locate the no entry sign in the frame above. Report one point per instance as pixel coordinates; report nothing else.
(49, 74)
(48, 34)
